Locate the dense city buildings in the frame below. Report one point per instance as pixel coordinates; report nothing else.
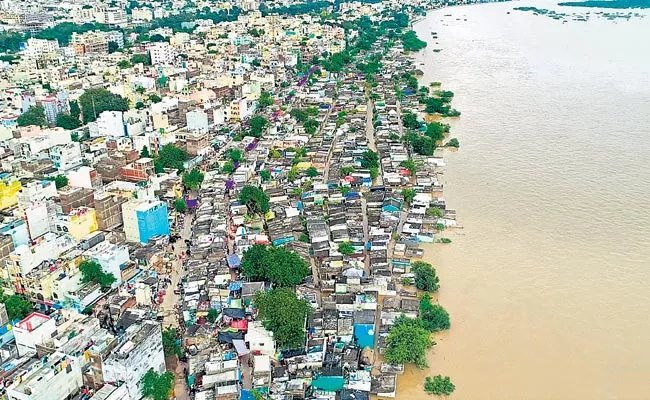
(175, 175)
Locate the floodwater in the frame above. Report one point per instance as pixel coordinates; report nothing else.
(547, 284)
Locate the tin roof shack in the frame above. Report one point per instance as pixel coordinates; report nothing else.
(222, 376)
(384, 385)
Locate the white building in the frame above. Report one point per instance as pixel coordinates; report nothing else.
(162, 53)
(197, 121)
(111, 257)
(259, 339)
(142, 14)
(108, 124)
(38, 47)
(33, 330)
(111, 16)
(140, 351)
(57, 378)
(67, 156)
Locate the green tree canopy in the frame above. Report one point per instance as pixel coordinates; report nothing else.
(145, 152)
(279, 266)
(311, 126)
(154, 98)
(93, 272)
(410, 121)
(410, 165)
(35, 115)
(17, 307)
(228, 167)
(408, 342)
(235, 155)
(255, 199)
(212, 315)
(409, 195)
(59, 181)
(312, 172)
(193, 179)
(370, 159)
(142, 58)
(180, 205)
(170, 343)
(75, 111)
(113, 47)
(171, 156)
(95, 101)
(257, 126)
(157, 386)
(434, 316)
(124, 64)
(425, 276)
(439, 385)
(67, 121)
(265, 175)
(265, 99)
(284, 314)
(346, 248)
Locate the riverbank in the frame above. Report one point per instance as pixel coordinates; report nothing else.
(528, 282)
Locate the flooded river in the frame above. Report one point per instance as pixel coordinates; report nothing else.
(548, 283)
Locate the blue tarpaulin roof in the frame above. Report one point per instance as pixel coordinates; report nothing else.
(246, 395)
(328, 383)
(365, 335)
(233, 261)
(235, 286)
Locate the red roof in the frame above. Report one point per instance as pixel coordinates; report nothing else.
(240, 324)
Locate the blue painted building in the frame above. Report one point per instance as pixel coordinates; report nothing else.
(144, 219)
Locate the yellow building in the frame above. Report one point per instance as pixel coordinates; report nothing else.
(82, 221)
(9, 188)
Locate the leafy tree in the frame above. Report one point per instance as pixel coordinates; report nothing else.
(425, 276)
(374, 173)
(75, 111)
(257, 126)
(193, 179)
(255, 199)
(409, 195)
(345, 171)
(140, 89)
(346, 248)
(436, 131)
(95, 101)
(144, 153)
(275, 154)
(279, 266)
(170, 343)
(370, 159)
(154, 98)
(212, 315)
(124, 64)
(59, 181)
(312, 172)
(93, 272)
(143, 58)
(17, 307)
(180, 205)
(434, 316)
(410, 165)
(35, 115)
(157, 38)
(453, 142)
(265, 99)
(228, 167)
(434, 212)
(439, 385)
(265, 175)
(139, 105)
(293, 174)
(157, 386)
(299, 114)
(235, 155)
(171, 156)
(67, 121)
(112, 47)
(411, 42)
(408, 342)
(311, 126)
(288, 324)
(410, 120)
